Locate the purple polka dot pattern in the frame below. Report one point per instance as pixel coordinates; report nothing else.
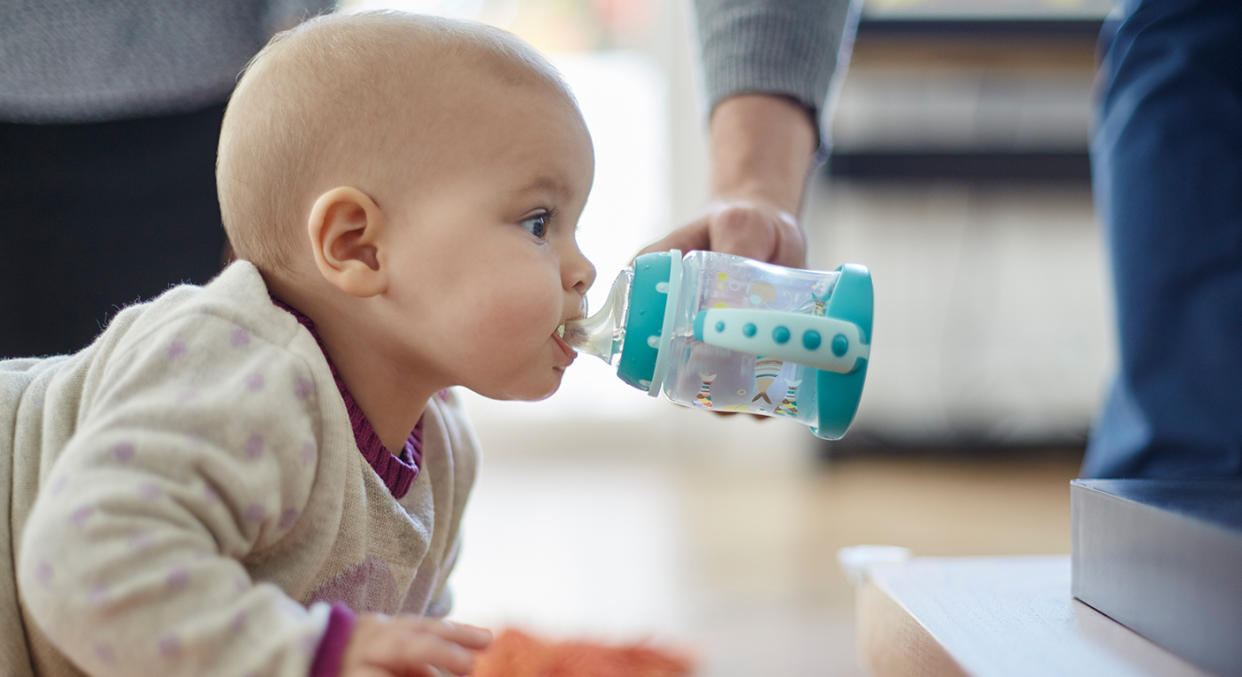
(140, 541)
(303, 388)
(99, 595)
(123, 452)
(79, 516)
(308, 453)
(149, 492)
(255, 513)
(169, 646)
(43, 573)
(238, 623)
(178, 579)
(254, 446)
(104, 653)
(210, 495)
(240, 338)
(288, 517)
(254, 382)
(176, 349)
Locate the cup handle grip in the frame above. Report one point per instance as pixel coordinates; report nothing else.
(817, 341)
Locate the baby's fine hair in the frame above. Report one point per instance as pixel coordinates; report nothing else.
(336, 101)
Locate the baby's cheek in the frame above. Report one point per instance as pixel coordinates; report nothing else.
(524, 313)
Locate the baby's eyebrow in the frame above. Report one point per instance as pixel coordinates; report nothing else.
(545, 183)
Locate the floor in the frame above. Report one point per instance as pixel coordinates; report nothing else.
(728, 558)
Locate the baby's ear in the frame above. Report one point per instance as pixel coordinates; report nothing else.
(345, 226)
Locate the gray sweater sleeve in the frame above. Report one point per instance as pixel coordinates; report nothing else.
(89, 60)
(786, 47)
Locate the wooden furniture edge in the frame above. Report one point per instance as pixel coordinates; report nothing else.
(892, 642)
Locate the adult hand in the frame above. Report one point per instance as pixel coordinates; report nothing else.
(762, 147)
(747, 228)
(411, 646)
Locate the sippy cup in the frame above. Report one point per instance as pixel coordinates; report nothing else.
(727, 333)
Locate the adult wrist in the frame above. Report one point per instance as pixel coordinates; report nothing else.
(762, 149)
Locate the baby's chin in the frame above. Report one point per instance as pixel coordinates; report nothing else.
(532, 390)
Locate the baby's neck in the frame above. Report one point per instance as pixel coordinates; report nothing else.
(391, 397)
(392, 400)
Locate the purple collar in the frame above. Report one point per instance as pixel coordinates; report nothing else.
(397, 472)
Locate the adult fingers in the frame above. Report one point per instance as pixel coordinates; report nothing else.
(790, 244)
(749, 229)
(691, 236)
(744, 230)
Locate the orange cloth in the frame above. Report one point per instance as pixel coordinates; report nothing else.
(516, 654)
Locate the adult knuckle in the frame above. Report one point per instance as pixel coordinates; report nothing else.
(738, 217)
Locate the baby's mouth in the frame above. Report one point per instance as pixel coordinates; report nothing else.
(571, 328)
(570, 353)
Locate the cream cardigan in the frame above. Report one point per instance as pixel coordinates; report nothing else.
(188, 497)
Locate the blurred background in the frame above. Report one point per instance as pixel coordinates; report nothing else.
(959, 175)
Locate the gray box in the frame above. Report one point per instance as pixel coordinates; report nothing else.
(1164, 558)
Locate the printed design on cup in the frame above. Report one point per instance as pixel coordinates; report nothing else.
(789, 405)
(736, 291)
(728, 292)
(818, 303)
(704, 397)
(761, 294)
(766, 371)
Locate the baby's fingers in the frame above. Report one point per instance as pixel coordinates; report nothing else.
(469, 636)
(413, 656)
(422, 644)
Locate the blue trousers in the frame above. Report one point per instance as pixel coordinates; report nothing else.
(1167, 169)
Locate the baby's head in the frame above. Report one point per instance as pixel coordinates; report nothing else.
(413, 185)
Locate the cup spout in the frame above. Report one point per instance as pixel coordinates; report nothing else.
(603, 333)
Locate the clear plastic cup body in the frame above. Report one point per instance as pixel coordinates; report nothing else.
(697, 374)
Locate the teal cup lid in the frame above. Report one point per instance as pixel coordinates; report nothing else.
(839, 393)
(645, 319)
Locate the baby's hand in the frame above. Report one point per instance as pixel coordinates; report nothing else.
(408, 645)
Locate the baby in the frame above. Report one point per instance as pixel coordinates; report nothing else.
(266, 475)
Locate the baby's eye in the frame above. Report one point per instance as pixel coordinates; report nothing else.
(536, 225)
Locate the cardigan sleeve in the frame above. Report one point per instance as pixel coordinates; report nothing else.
(789, 48)
(197, 453)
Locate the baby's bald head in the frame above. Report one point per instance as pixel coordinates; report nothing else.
(367, 100)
